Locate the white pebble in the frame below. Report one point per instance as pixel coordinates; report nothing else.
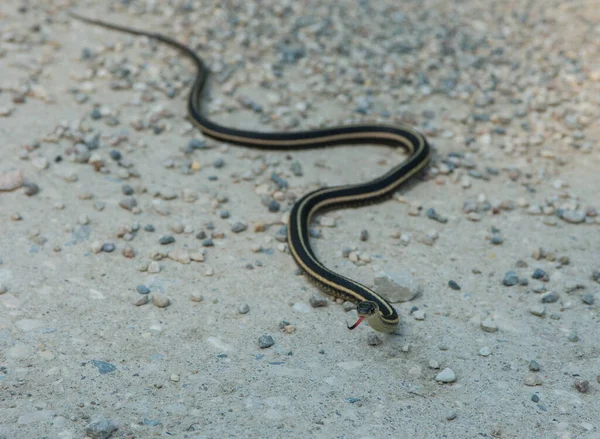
(446, 376)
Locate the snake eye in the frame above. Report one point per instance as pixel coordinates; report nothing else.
(366, 308)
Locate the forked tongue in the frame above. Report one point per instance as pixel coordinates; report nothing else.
(360, 319)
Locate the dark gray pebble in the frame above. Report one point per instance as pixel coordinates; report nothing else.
(149, 228)
(280, 182)
(218, 162)
(165, 240)
(538, 273)
(127, 189)
(224, 214)
(550, 297)
(534, 366)
(523, 281)
(95, 114)
(535, 398)
(201, 234)
(31, 188)
(364, 235)
(432, 214)
(596, 276)
(452, 284)
(265, 341)
(281, 234)
(274, 206)
(115, 154)
(510, 279)
(142, 289)
(196, 144)
(588, 299)
(238, 227)
(108, 247)
(208, 243)
(497, 240)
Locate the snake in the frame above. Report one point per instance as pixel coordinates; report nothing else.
(370, 306)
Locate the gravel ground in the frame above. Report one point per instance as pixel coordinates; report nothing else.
(145, 285)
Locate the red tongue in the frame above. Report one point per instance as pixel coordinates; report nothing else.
(360, 319)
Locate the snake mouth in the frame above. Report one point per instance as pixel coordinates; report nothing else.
(360, 319)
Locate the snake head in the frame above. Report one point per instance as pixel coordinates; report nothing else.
(365, 310)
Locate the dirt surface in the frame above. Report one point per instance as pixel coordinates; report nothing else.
(508, 95)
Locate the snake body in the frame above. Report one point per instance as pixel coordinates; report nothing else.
(380, 314)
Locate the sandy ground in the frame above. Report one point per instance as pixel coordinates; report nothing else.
(75, 348)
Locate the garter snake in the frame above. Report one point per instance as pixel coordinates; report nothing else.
(380, 314)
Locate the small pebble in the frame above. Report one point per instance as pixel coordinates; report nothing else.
(550, 297)
(540, 274)
(273, 206)
(244, 308)
(149, 228)
(497, 240)
(238, 227)
(485, 351)
(31, 188)
(115, 154)
(142, 300)
(534, 366)
(419, 314)
(364, 235)
(165, 240)
(196, 297)
(265, 341)
(535, 398)
(452, 284)
(196, 144)
(582, 386)
(432, 214)
(318, 301)
(142, 289)
(160, 301)
(573, 337)
(153, 267)
(128, 251)
(373, 339)
(446, 376)
(100, 428)
(510, 279)
(327, 221)
(128, 203)
(108, 247)
(451, 416)
(588, 299)
(538, 310)
(488, 325)
(127, 189)
(532, 379)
